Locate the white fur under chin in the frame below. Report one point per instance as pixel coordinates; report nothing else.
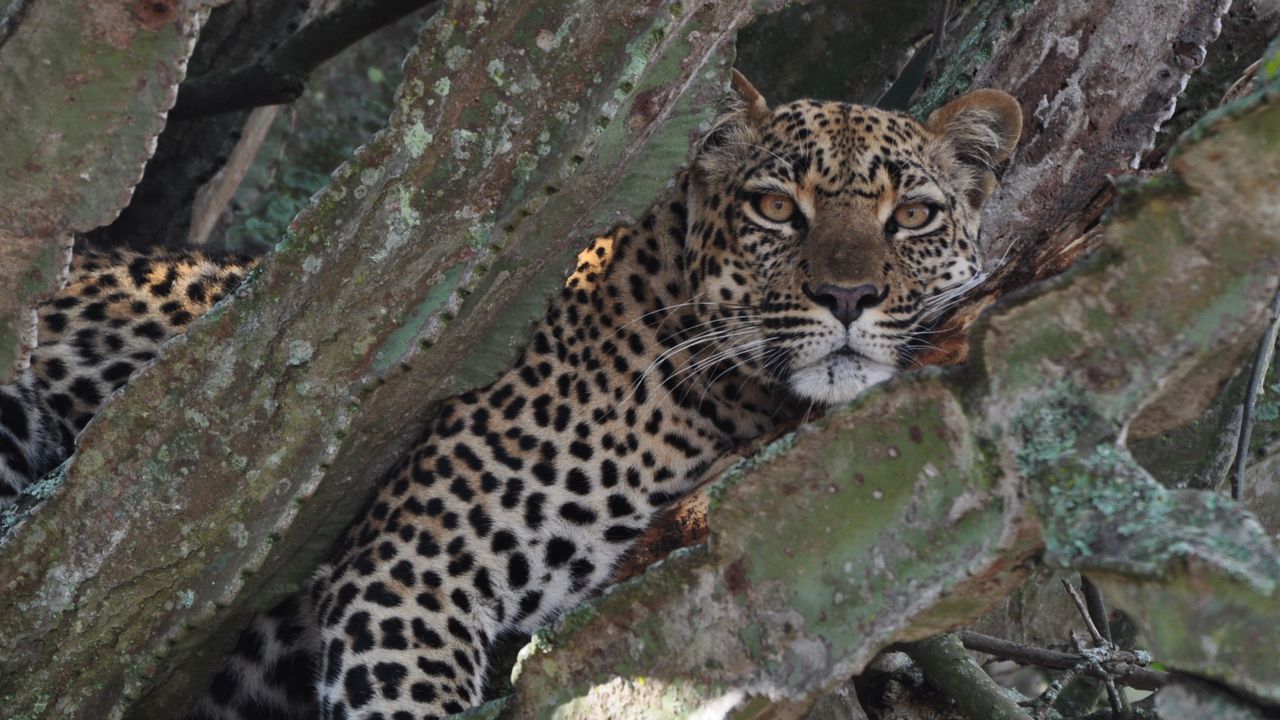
(838, 378)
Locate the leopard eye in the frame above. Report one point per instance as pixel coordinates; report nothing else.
(913, 215)
(776, 207)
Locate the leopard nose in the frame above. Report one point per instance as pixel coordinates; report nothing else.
(847, 303)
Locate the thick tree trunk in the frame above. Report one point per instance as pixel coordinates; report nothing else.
(520, 128)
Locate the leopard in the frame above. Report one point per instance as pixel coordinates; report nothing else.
(794, 261)
(110, 320)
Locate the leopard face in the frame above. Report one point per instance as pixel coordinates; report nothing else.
(826, 236)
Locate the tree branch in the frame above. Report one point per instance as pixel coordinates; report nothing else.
(281, 77)
(946, 663)
(1102, 646)
(1261, 363)
(74, 144)
(334, 403)
(1125, 665)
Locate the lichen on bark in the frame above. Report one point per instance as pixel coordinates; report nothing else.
(415, 274)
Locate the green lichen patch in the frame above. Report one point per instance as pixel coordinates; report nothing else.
(984, 28)
(740, 469)
(1194, 569)
(1103, 511)
(1201, 622)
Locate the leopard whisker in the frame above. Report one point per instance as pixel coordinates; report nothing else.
(710, 384)
(711, 336)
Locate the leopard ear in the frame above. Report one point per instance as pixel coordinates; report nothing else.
(739, 127)
(974, 134)
(753, 102)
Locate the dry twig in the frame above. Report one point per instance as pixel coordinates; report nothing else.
(1043, 705)
(1261, 363)
(1101, 647)
(1126, 666)
(1081, 606)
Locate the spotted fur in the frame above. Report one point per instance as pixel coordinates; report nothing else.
(115, 312)
(675, 339)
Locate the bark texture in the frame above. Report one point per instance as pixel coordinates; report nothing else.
(223, 474)
(1094, 93)
(72, 157)
(1063, 61)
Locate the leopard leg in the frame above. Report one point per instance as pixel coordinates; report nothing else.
(397, 655)
(270, 675)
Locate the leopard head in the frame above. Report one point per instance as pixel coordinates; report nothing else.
(823, 236)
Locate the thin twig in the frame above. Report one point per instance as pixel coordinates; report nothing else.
(1258, 376)
(1083, 608)
(1042, 705)
(1097, 607)
(1238, 87)
(1118, 704)
(1091, 610)
(1224, 456)
(912, 75)
(1125, 665)
(281, 77)
(939, 31)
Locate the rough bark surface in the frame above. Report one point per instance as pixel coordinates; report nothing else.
(72, 157)
(1093, 93)
(519, 129)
